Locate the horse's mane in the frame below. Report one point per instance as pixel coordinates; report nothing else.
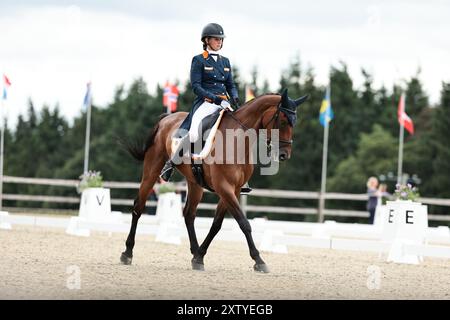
(260, 96)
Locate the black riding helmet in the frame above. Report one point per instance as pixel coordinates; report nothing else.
(212, 30)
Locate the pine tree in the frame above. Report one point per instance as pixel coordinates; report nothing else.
(345, 126)
(375, 156)
(416, 98)
(440, 184)
(368, 110)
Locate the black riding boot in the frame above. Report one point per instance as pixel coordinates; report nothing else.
(167, 171)
(246, 188)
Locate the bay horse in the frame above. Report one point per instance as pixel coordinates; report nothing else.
(269, 111)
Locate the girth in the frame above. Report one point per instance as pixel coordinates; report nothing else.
(197, 170)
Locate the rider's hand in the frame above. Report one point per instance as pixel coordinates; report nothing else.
(218, 100)
(226, 105)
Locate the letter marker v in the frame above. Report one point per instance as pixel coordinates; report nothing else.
(100, 201)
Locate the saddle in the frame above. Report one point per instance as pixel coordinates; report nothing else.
(197, 159)
(213, 122)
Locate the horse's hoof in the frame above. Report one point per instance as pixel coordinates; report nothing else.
(125, 259)
(261, 267)
(197, 265)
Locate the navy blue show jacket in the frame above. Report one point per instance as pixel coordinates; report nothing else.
(210, 78)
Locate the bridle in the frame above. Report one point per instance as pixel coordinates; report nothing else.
(276, 119)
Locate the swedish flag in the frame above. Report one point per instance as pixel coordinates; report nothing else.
(326, 112)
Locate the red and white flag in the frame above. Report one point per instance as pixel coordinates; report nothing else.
(166, 94)
(170, 97)
(403, 118)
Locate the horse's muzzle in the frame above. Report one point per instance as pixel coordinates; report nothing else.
(284, 155)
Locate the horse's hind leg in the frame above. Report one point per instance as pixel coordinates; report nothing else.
(195, 193)
(150, 174)
(229, 196)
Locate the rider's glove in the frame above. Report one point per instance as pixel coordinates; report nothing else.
(218, 100)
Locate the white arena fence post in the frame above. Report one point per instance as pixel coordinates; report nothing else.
(4, 224)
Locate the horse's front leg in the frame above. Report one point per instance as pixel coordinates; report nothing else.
(195, 193)
(228, 195)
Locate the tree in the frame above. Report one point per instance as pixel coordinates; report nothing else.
(254, 82)
(345, 126)
(186, 98)
(23, 151)
(387, 111)
(368, 110)
(302, 171)
(416, 98)
(375, 155)
(440, 183)
(240, 85)
(420, 150)
(291, 78)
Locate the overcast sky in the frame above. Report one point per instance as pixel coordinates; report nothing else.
(50, 49)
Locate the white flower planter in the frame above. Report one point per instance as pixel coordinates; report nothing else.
(95, 204)
(95, 208)
(403, 222)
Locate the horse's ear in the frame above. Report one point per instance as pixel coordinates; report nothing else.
(284, 95)
(300, 100)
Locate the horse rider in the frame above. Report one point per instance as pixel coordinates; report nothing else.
(212, 83)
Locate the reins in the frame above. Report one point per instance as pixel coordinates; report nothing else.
(275, 117)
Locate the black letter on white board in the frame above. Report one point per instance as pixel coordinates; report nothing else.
(390, 215)
(100, 201)
(408, 216)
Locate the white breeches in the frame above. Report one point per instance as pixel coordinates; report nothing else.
(202, 112)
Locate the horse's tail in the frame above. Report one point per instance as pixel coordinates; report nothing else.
(136, 150)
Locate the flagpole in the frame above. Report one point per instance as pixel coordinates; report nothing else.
(88, 132)
(400, 155)
(324, 172)
(2, 143)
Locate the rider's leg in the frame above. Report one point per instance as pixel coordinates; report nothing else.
(207, 110)
(246, 188)
(203, 111)
(181, 146)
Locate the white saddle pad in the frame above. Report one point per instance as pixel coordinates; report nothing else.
(210, 140)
